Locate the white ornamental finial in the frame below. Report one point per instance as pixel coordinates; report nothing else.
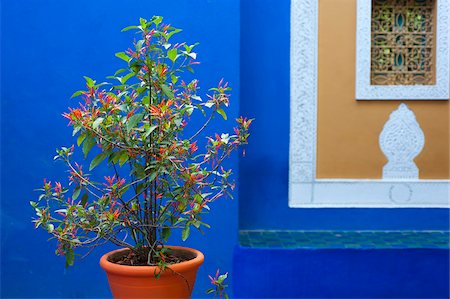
(401, 140)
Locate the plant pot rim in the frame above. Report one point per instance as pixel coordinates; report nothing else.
(125, 270)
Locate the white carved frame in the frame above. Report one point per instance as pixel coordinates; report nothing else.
(366, 91)
(305, 190)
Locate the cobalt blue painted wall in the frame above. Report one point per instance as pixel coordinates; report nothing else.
(47, 46)
(263, 196)
(341, 273)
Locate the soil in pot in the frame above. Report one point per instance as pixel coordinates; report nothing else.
(128, 258)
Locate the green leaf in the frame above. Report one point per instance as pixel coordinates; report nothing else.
(152, 176)
(222, 277)
(84, 199)
(97, 160)
(190, 109)
(139, 45)
(138, 190)
(157, 20)
(166, 233)
(118, 72)
(90, 83)
(196, 223)
(129, 28)
(70, 257)
(102, 84)
(189, 48)
(221, 112)
(174, 31)
(167, 91)
(123, 56)
(209, 104)
(81, 138)
(143, 22)
(149, 131)
(97, 122)
(139, 172)
(192, 55)
(125, 78)
(115, 156)
(209, 291)
(76, 129)
(76, 93)
(199, 107)
(146, 100)
(123, 158)
(76, 193)
(172, 54)
(87, 145)
(50, 228)
(134, 120)
(178, 121)
(185, 233)
(136, 66)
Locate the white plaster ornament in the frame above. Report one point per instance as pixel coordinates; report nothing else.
(401, 140)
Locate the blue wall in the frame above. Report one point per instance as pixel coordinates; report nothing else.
(47, 46)
(341, 273)
(263, 196)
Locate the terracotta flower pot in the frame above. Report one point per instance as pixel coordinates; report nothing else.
(140, 281)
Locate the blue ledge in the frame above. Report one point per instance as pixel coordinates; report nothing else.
(298, 264)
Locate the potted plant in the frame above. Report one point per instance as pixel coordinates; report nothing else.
(153, 177)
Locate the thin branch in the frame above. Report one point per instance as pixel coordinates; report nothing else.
(205, 124)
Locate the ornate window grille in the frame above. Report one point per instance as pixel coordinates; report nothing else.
(401, 56)
(402, 50)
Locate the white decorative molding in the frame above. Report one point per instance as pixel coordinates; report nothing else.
(303, 131)
(305, 191)
(341, 193)
(366, 91)
(401, 140)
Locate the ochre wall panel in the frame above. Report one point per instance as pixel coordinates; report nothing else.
(348, 130)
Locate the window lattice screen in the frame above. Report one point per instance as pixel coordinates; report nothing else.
(402, 42)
